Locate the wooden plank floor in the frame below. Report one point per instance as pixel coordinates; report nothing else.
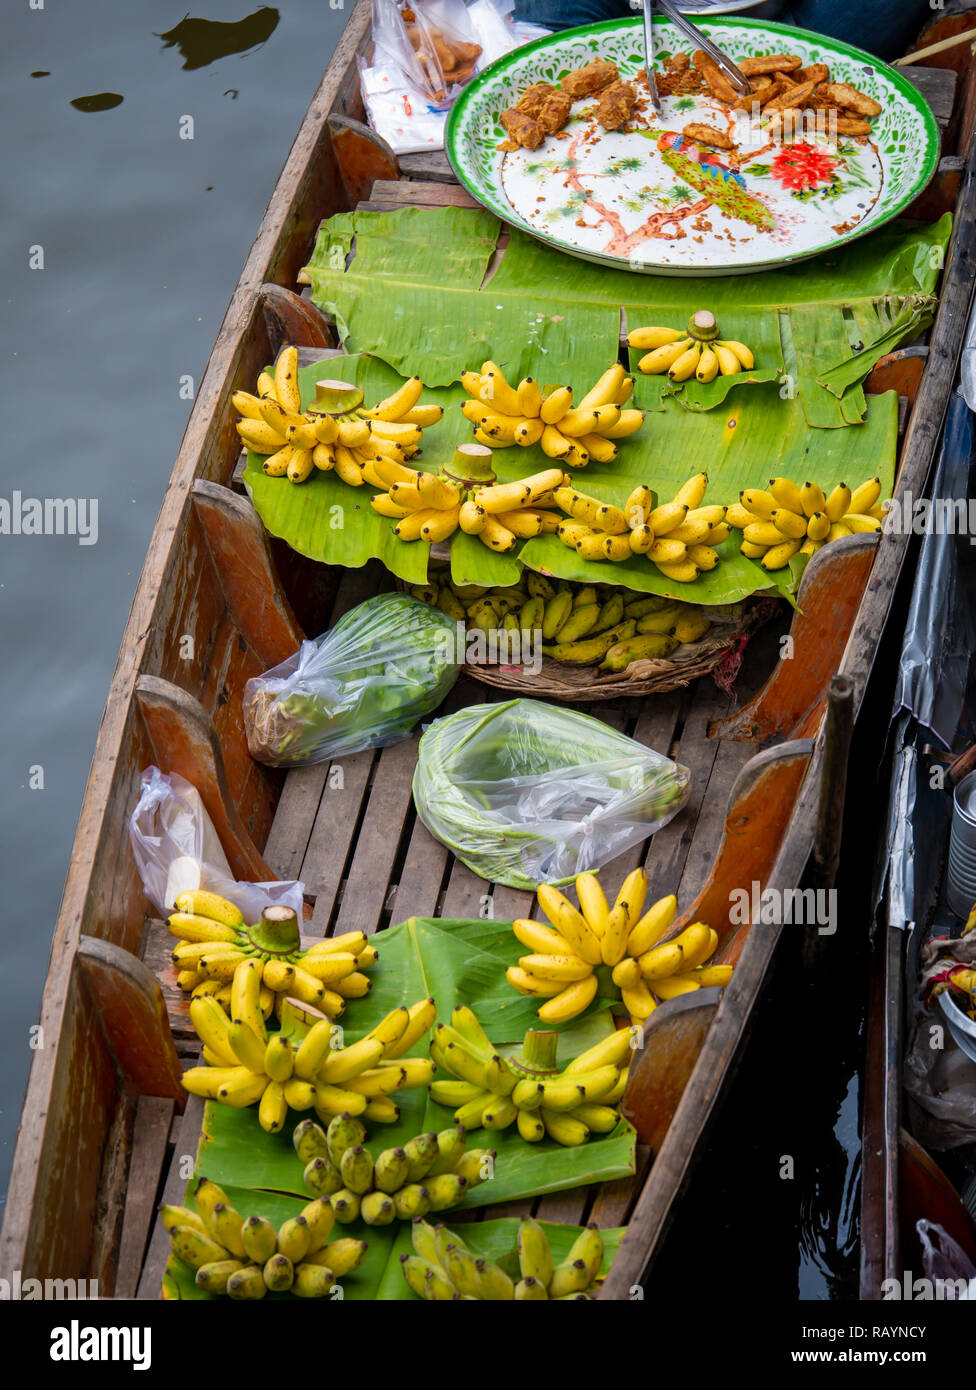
(350, 832)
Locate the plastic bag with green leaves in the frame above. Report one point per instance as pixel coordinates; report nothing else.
(526, 793)
(363, 684)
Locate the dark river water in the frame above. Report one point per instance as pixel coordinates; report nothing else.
(137, 237)
(121, 245)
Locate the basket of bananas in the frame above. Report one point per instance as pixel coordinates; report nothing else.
(554, 639)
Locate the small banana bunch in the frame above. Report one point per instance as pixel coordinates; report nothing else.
(443, 1269)
(789, 520)
(247, 1258)
(678, 536)
(698, 352)
(248, 1066)
(504, 415)
(431, 1172)
(661, 627)
(215, 942)
(424, 506)
(527, 1089)
(501, 514)
(564, 961)
(335, 432)
(580, 624)
(578, 628)
(431, 508)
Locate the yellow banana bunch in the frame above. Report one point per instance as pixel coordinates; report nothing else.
(503, 415)
(335, 432)
(245, 1258)
(564, 958)
(677, 536)
(698, 352)
(431, 508)
(430, 1172)
(443, 1269)
(527, 1089)
(214, 942)
(789, 519)
(300, 1068)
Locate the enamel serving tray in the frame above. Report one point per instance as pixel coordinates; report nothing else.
(650, 200)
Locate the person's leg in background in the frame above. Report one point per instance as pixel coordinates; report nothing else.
(883, 27)
(567, 14)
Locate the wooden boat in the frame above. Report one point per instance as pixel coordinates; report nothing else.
(105, 1119)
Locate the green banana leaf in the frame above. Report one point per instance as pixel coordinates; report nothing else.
(379, 1278)
(413, 296)
(419, 276)
(453, 962)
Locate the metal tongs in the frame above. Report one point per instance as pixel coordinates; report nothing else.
(737, 79)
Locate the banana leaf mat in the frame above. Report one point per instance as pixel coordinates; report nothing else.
(454, 962)
(413, 298)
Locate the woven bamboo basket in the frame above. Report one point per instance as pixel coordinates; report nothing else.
(718, 653)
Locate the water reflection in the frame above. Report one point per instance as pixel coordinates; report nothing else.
(100, 101)
(203, 41)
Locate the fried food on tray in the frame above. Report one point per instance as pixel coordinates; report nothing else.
(708, 135)
(816, 72)
(616, 105)
(533, 98)
(783, 88)
(849, 125)
(524, 132)
(793, 96)
(718, 84)
(586, 82)
(553, 111)
(843, 94)
(545, 104)
(775, 62)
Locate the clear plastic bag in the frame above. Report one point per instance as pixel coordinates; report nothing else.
(432, 41)
(363, 684)
(176, 848)
(945, 1263)
(526, 793)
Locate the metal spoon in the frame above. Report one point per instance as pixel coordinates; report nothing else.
(649, 54)
(738, 80)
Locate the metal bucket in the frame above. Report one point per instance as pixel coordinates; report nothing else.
(961, 877)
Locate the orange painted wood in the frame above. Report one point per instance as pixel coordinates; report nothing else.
(792, 701)
(363, 156)
(289, 318)
(924, 1191)
(899, 371)
(183, 740)
(241, 555)
(672, 1039)
(761, 803)
(132, 1015)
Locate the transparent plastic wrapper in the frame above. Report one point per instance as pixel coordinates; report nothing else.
(398, 100)
(176, 849)
(945, 1263)
(526, 793)
(432, 41)
(363, 684)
